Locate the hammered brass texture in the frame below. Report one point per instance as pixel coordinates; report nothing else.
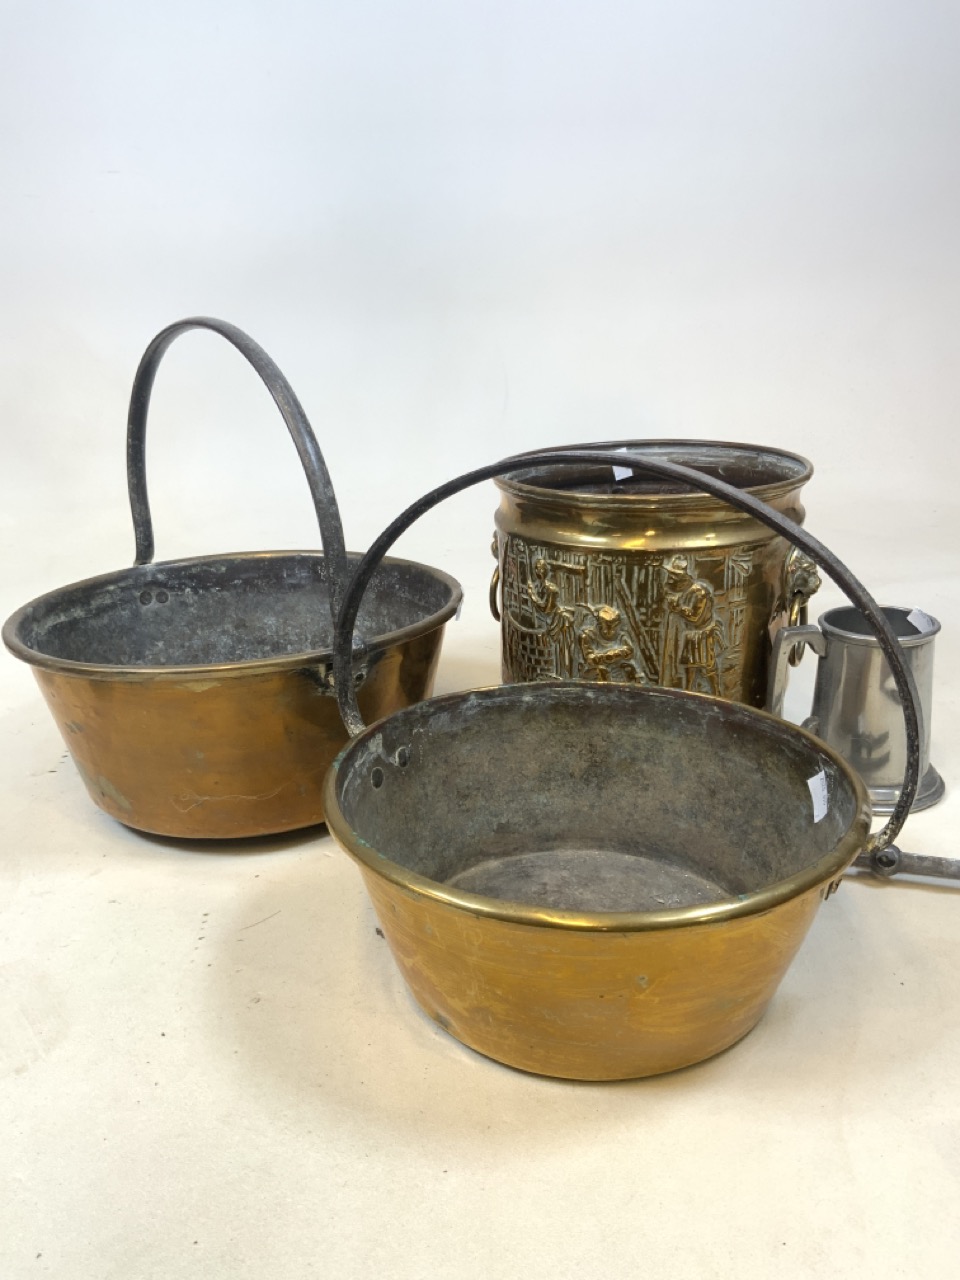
(222, 757)
(589, 1006)
(196, 697)
(590, 880)
(218, 758)
(611, 578)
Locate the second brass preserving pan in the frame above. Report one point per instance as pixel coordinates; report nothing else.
(196, 696)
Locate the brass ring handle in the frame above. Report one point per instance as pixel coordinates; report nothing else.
(494, 594)
(495, 579)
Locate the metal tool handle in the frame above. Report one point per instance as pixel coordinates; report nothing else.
(739, 498)
(318, 477)
(891, 860)
(780, 660)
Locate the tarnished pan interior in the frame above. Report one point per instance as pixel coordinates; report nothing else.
(592, 798)
(221, 609)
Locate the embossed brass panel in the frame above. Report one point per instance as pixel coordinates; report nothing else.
(604, 576)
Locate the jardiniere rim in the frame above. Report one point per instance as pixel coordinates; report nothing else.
(523, 482)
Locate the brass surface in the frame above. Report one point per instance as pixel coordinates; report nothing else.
(640, 584)
(585, 1005)
(196, 697)
(594, 993)
(217, 756)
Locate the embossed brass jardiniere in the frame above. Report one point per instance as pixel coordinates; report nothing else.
(606, 574)
(591, 879)
(195, 696)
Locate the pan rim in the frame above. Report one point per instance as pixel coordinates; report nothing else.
(218, 670)
(825, 871)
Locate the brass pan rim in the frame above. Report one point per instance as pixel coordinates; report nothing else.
(12, 628)
(820, 874)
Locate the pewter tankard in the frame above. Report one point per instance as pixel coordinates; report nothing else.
(856, 707)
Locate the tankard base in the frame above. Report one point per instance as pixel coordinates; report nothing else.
(931, 790)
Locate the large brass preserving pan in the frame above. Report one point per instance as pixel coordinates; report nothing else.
(594, 880)
(195, 696)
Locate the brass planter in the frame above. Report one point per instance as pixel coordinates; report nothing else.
(606, 576)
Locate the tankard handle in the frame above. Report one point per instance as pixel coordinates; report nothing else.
(785, 642)
(318, 477)
(739, 498)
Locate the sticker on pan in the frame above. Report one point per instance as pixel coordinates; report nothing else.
(818, 794)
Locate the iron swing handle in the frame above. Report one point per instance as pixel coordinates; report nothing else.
(741, 499)
(318, 477)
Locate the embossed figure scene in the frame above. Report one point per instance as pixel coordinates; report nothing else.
(675, 619)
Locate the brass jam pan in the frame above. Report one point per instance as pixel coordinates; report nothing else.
(196, 696)
(595, 880)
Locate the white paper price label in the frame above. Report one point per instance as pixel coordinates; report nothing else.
(621, 473)
(818, 794)
(922, 621)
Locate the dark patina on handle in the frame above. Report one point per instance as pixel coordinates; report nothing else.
(318, 477)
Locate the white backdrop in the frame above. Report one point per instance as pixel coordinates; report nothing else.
(464, 230)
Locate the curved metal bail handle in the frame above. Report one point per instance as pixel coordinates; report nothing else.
(743, 501)
(318, 477)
